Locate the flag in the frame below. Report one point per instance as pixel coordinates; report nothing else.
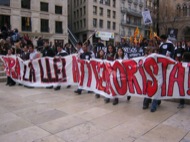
(151, 36)
(136, 32)
(135, 40)
(131, 39)
(140, 38)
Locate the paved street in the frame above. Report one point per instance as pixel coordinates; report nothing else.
(45, 115)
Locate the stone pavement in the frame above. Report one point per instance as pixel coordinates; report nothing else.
(45, 115)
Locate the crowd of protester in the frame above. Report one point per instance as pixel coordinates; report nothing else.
(12, 43)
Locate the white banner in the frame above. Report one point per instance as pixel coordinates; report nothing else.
(154, 76)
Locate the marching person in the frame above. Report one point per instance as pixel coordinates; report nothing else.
(10, 81)
(25, 55)
(185, 58)
(86, 55)
(61, 53)
(166, 48)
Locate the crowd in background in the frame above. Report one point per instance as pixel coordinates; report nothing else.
(11, 42)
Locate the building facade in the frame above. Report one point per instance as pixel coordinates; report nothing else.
(174, 17)
(131, 17)
(46, 18)
(88, 16)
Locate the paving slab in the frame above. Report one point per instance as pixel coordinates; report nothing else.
(45, 115)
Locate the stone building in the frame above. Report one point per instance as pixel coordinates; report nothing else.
(131, 17)
(88, 16)
(46, 18)
(174, 17)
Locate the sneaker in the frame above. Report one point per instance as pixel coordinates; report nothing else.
(128, 98)
(152, 110)
(145, 107)
(180, 106)
(106, 100)
(116, 101)
(69, 86)
(97, 96)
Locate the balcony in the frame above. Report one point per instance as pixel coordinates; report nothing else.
(130, 24)
(123, 9)
(141, 4)
(135, 2)
(130, 1)
(134, 13)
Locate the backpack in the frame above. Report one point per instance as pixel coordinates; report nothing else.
(15, 37)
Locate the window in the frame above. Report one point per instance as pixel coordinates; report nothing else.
(58, 10)
(114, 4)
(80, 11)
(95, 10)
(44, 6)
(84, 10)
(44, 25)
(101, 23)
(58, 27)
(74, 14)
(108, 13)
(80, 23)
(26, 24)
(101, 11)
(108, 24)
(184, 10)
(77, 25)
(107, 2)
(178, 10)
(77, 13)
(5, 20)
(25, 4)
(94, 22)
(84, 23)
(101, 1)
(113, 25)
(114, 14)
(95, 0)
(5, 2)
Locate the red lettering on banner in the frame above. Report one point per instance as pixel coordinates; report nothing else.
(165, 63)
(56, 69)
(43, 79)
(142, 73)
(16, 72)
(188, 91)
(151, 68)
(49, 71)
(177, 75)
(32, 76)
(131, 69)
(82, 62)
(75, 70)
(108, 73)
(89, 74)
(64, 76)
(94, 65)
(24, 74)
(120, 81)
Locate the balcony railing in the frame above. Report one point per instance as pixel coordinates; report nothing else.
(123, 9)
(135, 2)
(130, 1)
(131, 24)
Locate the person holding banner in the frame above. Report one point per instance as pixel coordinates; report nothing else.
(101, 56)
(185, 58)
(60, 53)
(10, 81)
(86, 55)
(110, 56)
